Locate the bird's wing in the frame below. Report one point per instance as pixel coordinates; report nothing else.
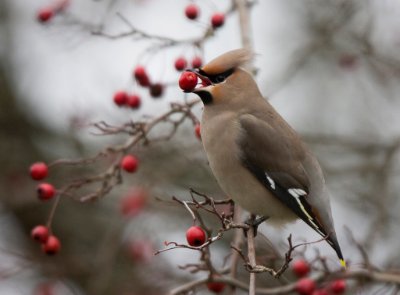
(275, 159)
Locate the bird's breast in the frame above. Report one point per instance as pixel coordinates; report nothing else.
(219, 135)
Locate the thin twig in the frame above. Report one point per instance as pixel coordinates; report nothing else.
(251, 253)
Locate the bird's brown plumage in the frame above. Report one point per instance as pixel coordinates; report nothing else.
(256, 157)
(232, 59)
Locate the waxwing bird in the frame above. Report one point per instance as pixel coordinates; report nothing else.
(256, 157)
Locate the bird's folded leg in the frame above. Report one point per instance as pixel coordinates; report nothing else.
(254, 222)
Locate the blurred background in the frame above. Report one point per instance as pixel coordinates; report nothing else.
(331, 68)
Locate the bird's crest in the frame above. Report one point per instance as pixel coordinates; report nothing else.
(230, 60)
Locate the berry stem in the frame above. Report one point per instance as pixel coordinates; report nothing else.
(52, 212)
(190, 211)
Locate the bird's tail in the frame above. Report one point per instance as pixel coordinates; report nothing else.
(332, 240)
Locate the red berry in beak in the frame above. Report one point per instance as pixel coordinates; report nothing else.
(188, 81)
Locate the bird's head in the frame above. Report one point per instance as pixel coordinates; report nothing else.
(224, 78)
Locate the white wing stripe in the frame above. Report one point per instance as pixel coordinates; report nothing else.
(271, 181)
(297, 193)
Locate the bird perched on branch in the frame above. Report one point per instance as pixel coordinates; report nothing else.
(256, 157)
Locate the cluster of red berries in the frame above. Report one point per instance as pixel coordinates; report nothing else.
(45, 14)
(155, 89)
(39, 171)
(192, 12)
(196, 236)
(123, 99)
(307, 286)
(140, 74)
(181, 63)
(45, 191)
(50, 243)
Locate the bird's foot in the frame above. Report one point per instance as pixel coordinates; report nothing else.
(255, 223)
(261, 269)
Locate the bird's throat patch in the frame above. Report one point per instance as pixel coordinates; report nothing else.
(205, 96)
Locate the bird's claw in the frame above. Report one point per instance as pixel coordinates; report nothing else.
(255, 223)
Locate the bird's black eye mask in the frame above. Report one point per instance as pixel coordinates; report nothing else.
(218, 78)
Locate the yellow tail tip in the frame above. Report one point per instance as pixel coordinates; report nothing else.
(343, 263)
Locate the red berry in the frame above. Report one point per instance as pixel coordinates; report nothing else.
(133, 203)
(305, 286)
(39, 170)
(320, 292)
(45, 14)
(197, 62)
(217, 20)
(300, 268)
(134, 101)
(197, 130)
(195, 236)
(338, 286)
(45, 191)
(180, 64)
(141, 76)
(144, 82)
(120, 98)
(192, 11)
(156, 90)
(40, 233)
(140, 72)
(188, 81)
(216, 287)
(129, 163)
(52, 245)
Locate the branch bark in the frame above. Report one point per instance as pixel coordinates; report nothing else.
(251, 253)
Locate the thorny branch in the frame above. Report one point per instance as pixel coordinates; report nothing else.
(208, 205)
(378, 276)
(253, 268)
(139, 133)
(163, 42)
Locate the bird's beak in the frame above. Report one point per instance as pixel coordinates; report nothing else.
(205, 81)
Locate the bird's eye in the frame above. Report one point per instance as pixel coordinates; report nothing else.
(222, 76)
(219, 78)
